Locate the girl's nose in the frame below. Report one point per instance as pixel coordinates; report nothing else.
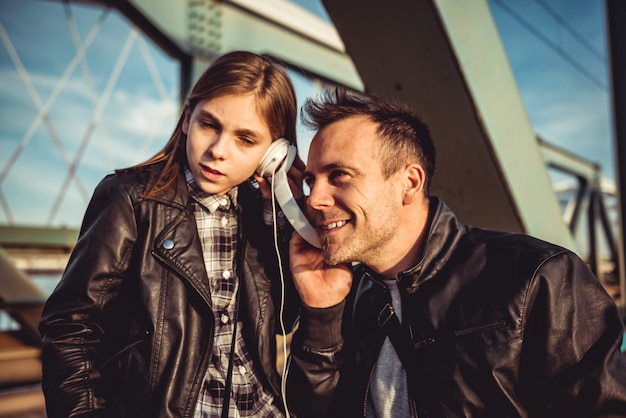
(218, 148)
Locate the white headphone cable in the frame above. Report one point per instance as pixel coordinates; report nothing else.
(283, 382)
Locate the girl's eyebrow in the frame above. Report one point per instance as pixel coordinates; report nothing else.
(203, 114)
(239, 132)
(248, 133)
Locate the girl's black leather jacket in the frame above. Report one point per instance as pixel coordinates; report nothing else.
(499, 324)
(128, 332)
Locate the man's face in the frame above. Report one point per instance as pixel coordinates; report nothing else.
(353, 208)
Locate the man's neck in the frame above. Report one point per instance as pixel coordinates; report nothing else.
(407, 247)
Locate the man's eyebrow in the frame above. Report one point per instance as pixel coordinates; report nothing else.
(335, 166)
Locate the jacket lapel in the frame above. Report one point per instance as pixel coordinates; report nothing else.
(178, 244)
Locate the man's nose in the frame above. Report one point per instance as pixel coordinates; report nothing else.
(320, 196)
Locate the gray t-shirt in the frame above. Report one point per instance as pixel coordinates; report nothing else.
(389, 396)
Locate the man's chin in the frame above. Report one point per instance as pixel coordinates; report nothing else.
(327, 251)
(330, 253)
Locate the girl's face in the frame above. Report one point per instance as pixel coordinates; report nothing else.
(226, 139)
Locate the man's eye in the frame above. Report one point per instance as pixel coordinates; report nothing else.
(337, 175)
(309, 181)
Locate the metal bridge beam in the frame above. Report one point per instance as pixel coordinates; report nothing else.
(207, 28)
(445, 59)
(615, 11)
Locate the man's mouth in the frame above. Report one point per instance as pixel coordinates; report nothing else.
(333, 225)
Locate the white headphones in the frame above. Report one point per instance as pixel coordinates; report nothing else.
(275, 163)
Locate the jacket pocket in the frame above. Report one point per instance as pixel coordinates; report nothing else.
(489, 334)
(127, 348)
(489, 326)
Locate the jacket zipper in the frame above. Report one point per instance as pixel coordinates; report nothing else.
(367, 389)
(371, 373)
(485, 327)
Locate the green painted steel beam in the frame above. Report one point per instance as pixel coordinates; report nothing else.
(35, 237)
(208, 28)
(445, 59)
(20, 298)
(569, 163)
(16, 288)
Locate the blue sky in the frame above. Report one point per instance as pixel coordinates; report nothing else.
(565, 93)
(563, 81)
(135, 122)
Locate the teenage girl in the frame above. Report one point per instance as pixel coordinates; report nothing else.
(169, 304)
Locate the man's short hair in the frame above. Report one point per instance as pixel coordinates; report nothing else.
(404, 138)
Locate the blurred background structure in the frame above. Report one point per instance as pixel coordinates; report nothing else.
(525, 100)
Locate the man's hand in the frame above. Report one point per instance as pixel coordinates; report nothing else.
(319, 285)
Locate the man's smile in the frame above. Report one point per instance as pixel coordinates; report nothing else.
(333, 225)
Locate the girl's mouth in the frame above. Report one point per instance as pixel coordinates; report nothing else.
(211, 174)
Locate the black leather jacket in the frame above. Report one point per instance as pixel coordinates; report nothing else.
(128, 332)
(501, 325)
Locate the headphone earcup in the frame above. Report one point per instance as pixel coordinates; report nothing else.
(274, 156)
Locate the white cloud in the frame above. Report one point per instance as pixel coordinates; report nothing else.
(144, 116)
(131, 129)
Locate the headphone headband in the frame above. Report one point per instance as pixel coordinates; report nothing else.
(275, 164)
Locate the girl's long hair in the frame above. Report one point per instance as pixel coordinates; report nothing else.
(235, 73)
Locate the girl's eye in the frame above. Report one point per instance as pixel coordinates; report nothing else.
(210, 124)
(247, 140)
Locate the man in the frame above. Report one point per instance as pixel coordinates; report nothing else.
(441, 319)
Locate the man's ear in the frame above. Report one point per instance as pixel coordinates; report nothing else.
(186, 117)
(414, 179)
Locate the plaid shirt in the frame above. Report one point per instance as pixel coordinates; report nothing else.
(217, 226)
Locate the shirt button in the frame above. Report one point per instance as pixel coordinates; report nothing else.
(226, 274)
(224, 221)
(224, 318)
(224, 202)
(242, 370)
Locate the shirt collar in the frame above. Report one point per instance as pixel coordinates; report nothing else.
(211, 201)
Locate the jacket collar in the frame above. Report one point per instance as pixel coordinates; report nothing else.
(176, 195)
(444, 234)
